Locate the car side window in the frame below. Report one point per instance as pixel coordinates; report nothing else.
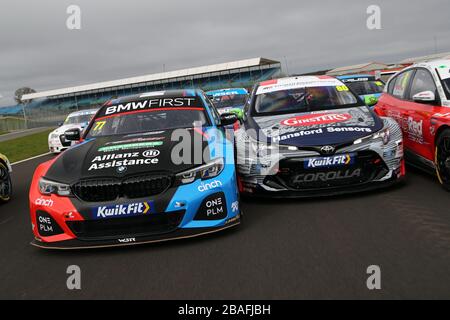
(401, 84)
(390, 88)
(423, 81)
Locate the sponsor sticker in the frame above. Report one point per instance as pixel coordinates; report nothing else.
(294, 83)
(327, 176)
(304, 133)
(123, 210)
(151, 153)
(44, 202)
(354, 80)
(213, 207)
(415, 130)
(316, 119)
(149, 104)
(128, 146)
(342, 88)
(332, 161)
(205, 186)
(235, 206)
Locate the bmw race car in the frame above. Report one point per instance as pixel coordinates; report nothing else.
(311, 136)
(80, 119)
(366, 86)
(418, 98)
(229, 100)
(148, 168)
(5, 179)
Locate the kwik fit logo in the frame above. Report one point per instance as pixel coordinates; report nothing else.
(123, 210)
(339, 160)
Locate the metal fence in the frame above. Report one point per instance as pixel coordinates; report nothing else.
(8, 124)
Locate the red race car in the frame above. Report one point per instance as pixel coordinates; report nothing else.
(418, 98)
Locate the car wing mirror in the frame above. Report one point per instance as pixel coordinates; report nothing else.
(424, 97)
(227, 119)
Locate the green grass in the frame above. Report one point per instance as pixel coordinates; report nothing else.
(3, 132)
(25, 147)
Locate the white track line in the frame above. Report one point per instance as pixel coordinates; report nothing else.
(32, 158)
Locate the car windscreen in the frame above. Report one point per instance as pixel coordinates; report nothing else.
(78, 119)
(366, 87)
(229, 101)
(150, 120)
(305, 100)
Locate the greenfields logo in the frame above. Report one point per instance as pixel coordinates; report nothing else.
(137, 145)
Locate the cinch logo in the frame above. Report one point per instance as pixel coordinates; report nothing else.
(208, 186)
(123, 210)
(315, 119)
(44, 202)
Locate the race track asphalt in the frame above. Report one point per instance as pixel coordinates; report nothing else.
(285, 249)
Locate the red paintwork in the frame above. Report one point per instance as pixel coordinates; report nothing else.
(420, 123)
(60, 210)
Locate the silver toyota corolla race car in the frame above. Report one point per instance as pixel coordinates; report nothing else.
(311, 136)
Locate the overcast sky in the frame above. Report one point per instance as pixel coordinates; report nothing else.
(129, 38)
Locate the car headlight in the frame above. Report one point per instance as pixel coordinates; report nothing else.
(383, 134)
(261, 149)
(207, 171)
(48, 187)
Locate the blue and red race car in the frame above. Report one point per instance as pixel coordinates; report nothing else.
(148, 168)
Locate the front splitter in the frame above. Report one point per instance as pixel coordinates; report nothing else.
(179, 234)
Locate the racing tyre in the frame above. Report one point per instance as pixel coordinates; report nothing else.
(5, 184)
(443, 159)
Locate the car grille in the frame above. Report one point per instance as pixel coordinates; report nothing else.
(368, 166)
(110, 189)
(116, 228)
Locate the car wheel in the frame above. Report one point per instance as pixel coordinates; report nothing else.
(5, 183)
(443, 159)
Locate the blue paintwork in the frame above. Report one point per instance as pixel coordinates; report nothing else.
(219, 147)
(226, 92)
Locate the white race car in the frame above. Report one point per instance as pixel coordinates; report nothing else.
(76, 120)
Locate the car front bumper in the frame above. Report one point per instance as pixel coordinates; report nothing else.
(184, 211)
(76, 244)
(375, 165)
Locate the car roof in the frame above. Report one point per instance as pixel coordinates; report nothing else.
(82, 112)
(355, 76)
(297, 82)
(442, 66)
(434, 64)
(228, 90)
